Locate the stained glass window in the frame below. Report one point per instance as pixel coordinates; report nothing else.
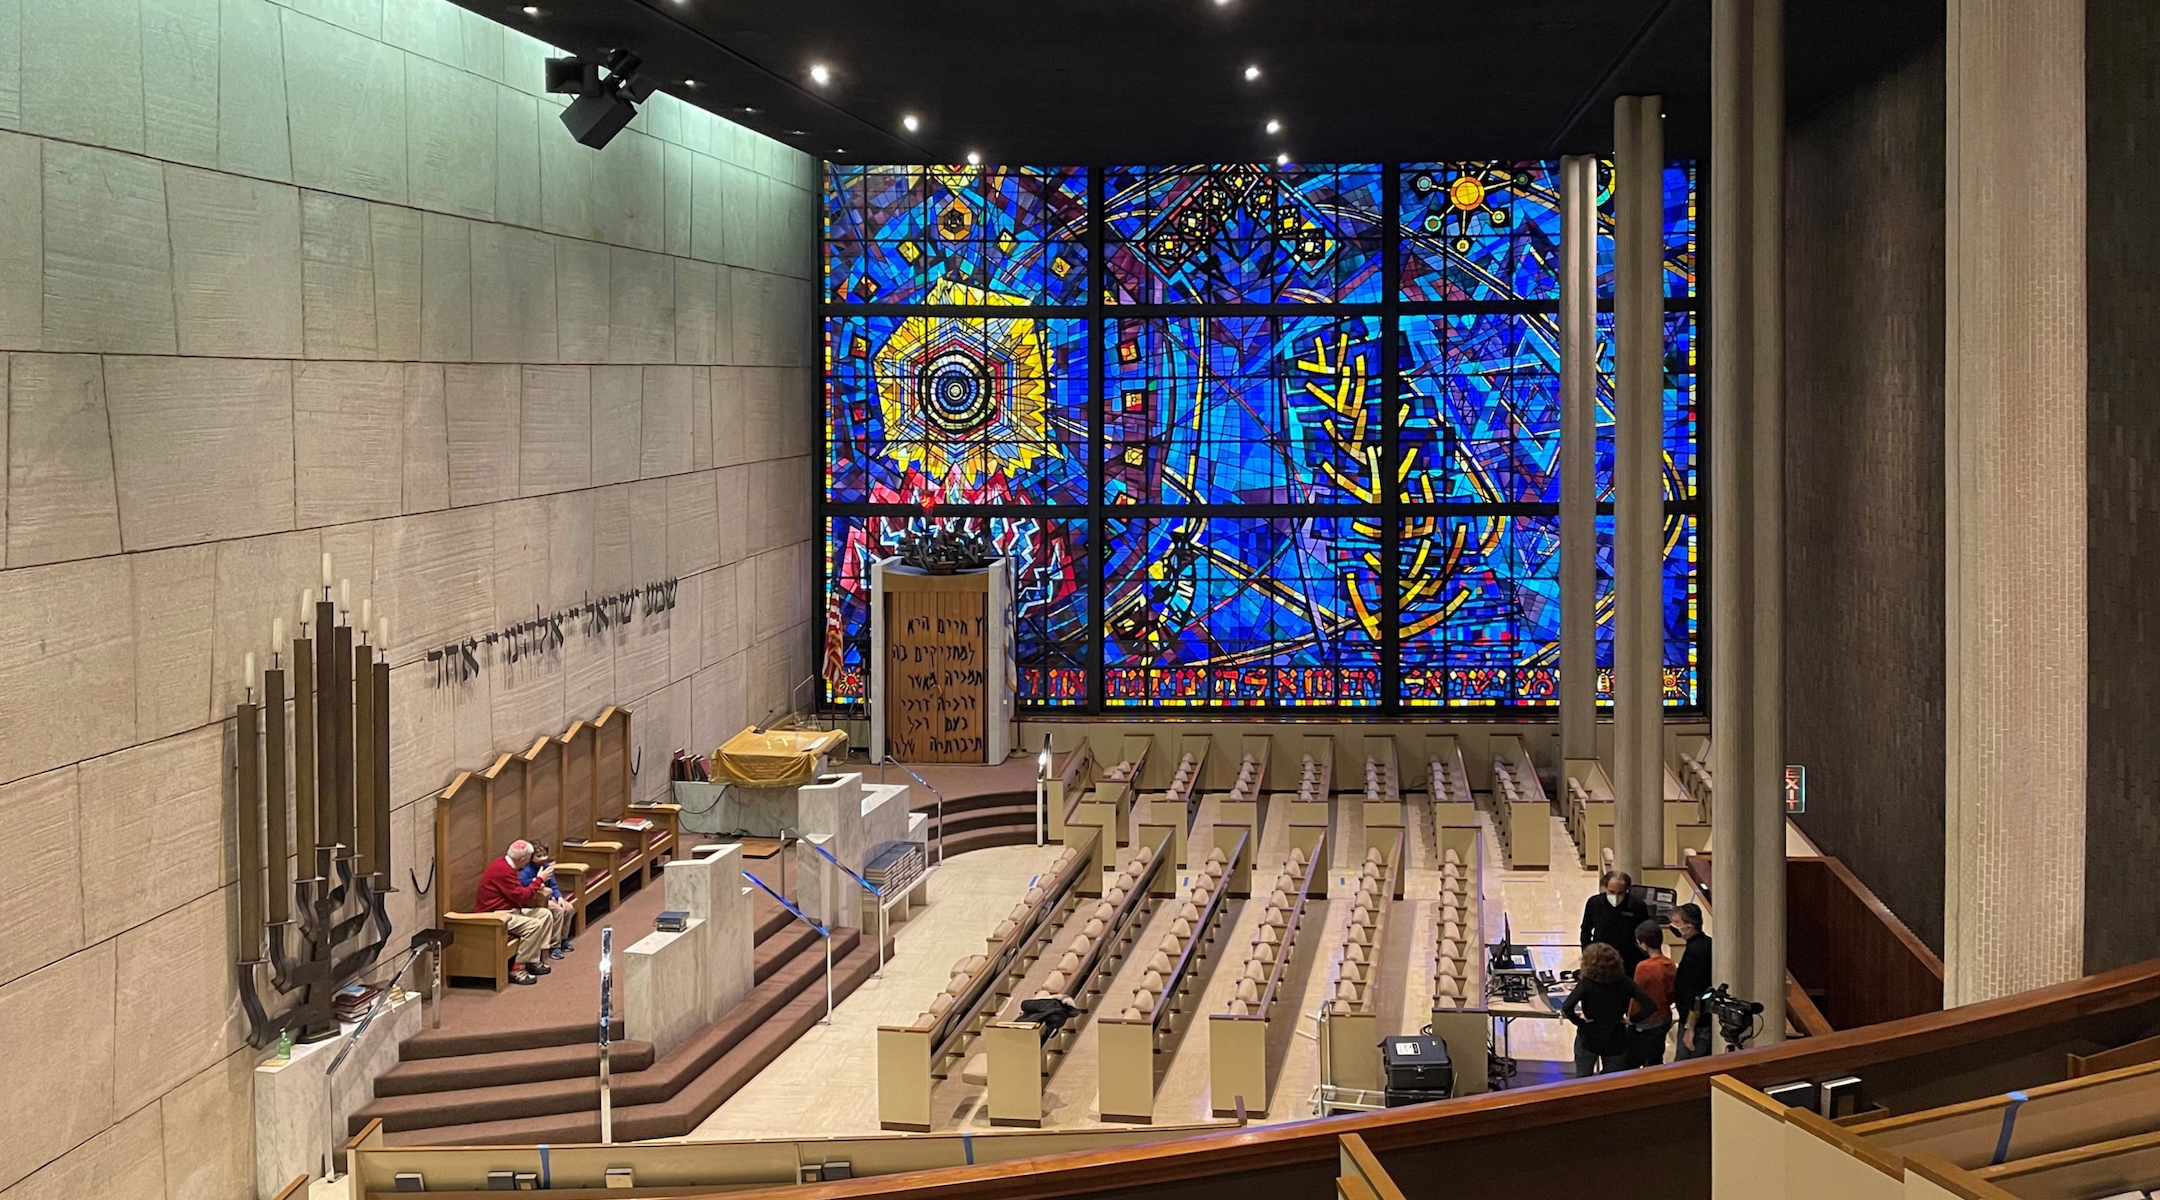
(1241, 410)
(1335, 487)
(1241, 611)
(1242, 233)
(957, 410)
(896, 235)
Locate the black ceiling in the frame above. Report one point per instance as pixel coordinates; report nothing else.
(1158, 81)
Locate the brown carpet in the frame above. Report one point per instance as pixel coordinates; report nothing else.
(668, 1098)
(521, 1064)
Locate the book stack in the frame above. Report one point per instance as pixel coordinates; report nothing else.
(353, 1002)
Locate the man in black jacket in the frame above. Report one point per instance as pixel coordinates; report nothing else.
(1690, 981)
(1611, 916)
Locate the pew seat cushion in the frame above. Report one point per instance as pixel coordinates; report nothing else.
(1092, 930)
(971, 964)
(1116, 895)
(1450, 858)
(942, 1004)
(1180, 928)
(1005, 929)
(1216, 857)
(1449, 986)
(1255, 970)
(1069, 963)
(1103, 911)
(957, 985)
(1055, 983)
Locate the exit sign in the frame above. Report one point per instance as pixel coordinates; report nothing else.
(1795, 790)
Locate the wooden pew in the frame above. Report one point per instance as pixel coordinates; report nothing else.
(1241, 1041)
(1520, 810)
(1459, 1015)
(912, 1057)
(1135, 1041)
(568, 792)
(2051, 1118)
(1359, 1175)
(1357, 971)
(1019, 1059)
(1447, 783)
(1064, 789)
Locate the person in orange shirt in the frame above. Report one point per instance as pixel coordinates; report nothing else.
(1649, 1024)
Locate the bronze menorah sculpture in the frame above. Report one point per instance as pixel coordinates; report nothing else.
(340, 759)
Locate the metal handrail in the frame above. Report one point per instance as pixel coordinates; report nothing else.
(865, 885)
(940, 803)
(822, 932)
(607, 1012)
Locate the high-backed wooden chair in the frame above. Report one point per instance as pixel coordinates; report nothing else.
(566, 792)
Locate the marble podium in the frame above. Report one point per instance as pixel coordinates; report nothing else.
(300, 1107)
(674, 984)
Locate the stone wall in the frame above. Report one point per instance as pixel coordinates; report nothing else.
(277, 280)
(1864, 483)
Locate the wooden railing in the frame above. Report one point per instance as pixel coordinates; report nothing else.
(1535, 1138)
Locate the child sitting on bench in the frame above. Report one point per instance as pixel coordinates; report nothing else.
(531, 871)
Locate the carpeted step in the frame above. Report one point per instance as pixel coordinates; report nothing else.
(656, 1083)
(775, 951)
(981, 839)
(449, 1043)
(529, 1065)
(680, 1113)
(1002, 816)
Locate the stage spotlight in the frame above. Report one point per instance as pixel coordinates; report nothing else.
(604, 106)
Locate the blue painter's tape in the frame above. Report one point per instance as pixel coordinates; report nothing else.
(967, 1144)
(2009, 1126)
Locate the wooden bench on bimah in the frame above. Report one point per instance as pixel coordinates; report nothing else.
(571, 793)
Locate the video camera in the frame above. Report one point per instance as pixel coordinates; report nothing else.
(1738, 1020)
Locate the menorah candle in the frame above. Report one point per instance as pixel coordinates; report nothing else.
(248, 823)
(280, 849)
(381, 750)
(327, 824)
(341, 732)
(304, 778)
(363, 760)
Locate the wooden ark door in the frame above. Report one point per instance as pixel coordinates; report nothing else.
(936, 695)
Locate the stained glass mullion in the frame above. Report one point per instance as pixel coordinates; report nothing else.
(1099, 582)
(1389, 491)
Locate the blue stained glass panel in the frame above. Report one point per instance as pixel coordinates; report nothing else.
(1479, 231)
(1241, 611)
(895, 235)
(1481, 408)
(1479, 610)
(1241, 410)
(956, 410)
(1241, 233)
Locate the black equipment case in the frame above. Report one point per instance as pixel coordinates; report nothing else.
(1417, 1069)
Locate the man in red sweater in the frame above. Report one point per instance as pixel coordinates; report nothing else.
(533, 922)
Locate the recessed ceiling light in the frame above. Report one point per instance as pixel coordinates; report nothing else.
(974, 159)
(1252, 72)
(1274, 126)
(793, 132)
(747, 111)
(689, 83)
(530, 11)
(1282, 160)
(1221, 3)
(820, 74)
(910, 123)
(839, 150)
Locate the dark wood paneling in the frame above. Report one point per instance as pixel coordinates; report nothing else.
(2122, 429)
(1847, 949)
(1864, 682)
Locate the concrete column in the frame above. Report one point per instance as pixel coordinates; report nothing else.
(1578, 460)
(1638, 483)
(2014, 498)
(1747, 497)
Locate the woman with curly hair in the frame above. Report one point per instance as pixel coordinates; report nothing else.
(1598, 1009)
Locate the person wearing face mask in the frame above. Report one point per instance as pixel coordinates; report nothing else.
(1611, 916)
